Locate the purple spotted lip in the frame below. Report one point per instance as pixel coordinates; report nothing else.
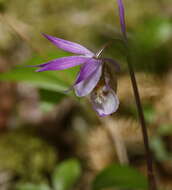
(94, 77)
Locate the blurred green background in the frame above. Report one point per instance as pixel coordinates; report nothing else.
(52, 140)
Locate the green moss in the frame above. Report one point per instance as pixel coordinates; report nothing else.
(26, 155)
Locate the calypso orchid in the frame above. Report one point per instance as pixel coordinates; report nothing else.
(96, 77)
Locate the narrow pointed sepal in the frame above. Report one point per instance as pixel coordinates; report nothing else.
(62, 63)
(69, 46)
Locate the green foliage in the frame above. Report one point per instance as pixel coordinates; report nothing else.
(26, 155)
(151, 44)
(49, 98)
(149, 113)
(158, 31)
(165, 129)
(49, 80)
(159, 149)
(66, 175)
(158, 145)
(29, 186)
(42, 80)
(51, 84)
(123, 177)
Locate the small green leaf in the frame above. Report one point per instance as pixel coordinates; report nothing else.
(66, 175)
(165, 129)
(29, 186)
(120, 177)
(159, 149)
(48, 99)
(50, 96)
(149, 113)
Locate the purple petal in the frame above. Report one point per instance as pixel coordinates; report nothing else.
(86, 86)
(85, 72)
(62, 63)
(113, 62)
(69, 46)
(87, 69)
(105, 103)
(122, 17)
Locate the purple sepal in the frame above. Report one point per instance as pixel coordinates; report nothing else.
(62, 63)
(69, 46)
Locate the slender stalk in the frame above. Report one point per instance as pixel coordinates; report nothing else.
(150, 171)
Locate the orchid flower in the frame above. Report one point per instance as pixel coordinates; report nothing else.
(95, 78)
